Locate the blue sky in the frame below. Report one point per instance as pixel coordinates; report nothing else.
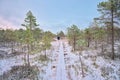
(53, 15)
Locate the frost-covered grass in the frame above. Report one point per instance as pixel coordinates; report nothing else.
(95, 65)
(21, 72)
(102, 68)
(60, 60)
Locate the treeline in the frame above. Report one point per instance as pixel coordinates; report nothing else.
(29, 40)
(104, 31)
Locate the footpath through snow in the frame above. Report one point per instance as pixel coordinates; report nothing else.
(62, 60)
(57, 68)
(61, 71)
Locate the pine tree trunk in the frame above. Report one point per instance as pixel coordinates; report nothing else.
(28, 63)
(25, 59)
(112, 24)
(95, 46)
(81, 65)
(88, 43)
(45, 54)
(102, 48)
(74, 44)
(12, 47)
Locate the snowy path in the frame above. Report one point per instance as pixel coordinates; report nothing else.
(62, 58)
(61, 72)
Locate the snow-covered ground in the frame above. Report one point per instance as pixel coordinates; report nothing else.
(6, 64)
(66, 65)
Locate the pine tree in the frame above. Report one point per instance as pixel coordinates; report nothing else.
(47, 38)
(61, 34)
(30, 24)
(110, 11)
(10, 37)
(87, 36)
(73, 34)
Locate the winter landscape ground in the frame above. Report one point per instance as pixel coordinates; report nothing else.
(66, 65)
(59, 40)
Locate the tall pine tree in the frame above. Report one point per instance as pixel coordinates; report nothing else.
(110, 11)
(30, 24)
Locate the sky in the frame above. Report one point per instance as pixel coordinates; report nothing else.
(53, 15)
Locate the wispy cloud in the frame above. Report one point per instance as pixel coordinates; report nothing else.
(6, 24)
(51, 15)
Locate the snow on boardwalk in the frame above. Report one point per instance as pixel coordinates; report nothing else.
(61, 72)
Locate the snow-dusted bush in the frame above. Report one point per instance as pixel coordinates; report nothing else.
(21, 73)
(118, 72)
(106, 71)
(43, 59)
(95, 64)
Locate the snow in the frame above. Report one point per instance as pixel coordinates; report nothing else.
(6, 64)
(68, 67)
(61, 72)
